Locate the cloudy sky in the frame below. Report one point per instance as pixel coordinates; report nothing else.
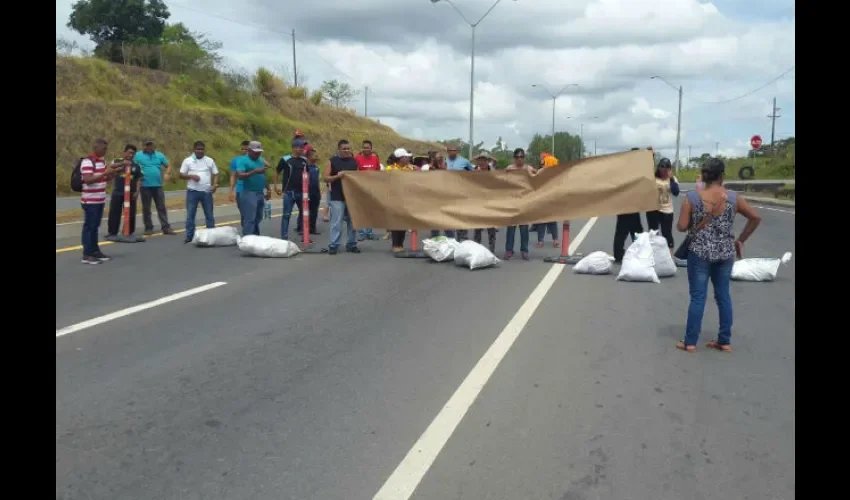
(415, 58)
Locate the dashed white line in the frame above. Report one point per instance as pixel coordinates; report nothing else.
(132, 310)
(406, 478)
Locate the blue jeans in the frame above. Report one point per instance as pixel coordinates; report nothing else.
(339, 213)
(366, 233)
(192, 200)
(251, 204)
(552, 227)
(450, 233)
(699, 273)
(290, 200)
(92, 216)
(523, 238)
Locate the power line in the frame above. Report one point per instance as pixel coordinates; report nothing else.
(751, 92)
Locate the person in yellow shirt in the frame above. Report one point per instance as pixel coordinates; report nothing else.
(547, 161)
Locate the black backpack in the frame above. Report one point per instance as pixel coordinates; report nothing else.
(77, 177)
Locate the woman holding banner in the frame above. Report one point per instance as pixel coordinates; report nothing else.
(401, 164)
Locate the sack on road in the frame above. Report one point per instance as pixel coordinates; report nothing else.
(440, 249)
(474, 255)
(594, 263)
(266, 246)
(225, 236)
(758, 269)
(638, 262)
(664, 264)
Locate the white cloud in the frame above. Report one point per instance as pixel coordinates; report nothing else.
(415, 59)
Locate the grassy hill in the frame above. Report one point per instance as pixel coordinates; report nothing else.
(95, 98)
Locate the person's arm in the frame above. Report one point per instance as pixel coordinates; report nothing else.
(753, 221)
(248, 173)
(684, 216)
(137, 178)
(329, 174)
(268, 192)
(284, 169)
(165, 169)
(214, 170)
(674, 186)
(233, 180)
(184, 171)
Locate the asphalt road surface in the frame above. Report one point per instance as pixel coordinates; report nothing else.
(339, 377)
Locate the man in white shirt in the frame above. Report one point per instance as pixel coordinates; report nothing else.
(202, 174)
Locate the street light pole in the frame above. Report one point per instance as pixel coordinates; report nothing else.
(581, 134)
(471, 65)
(679, 119)
(554, 97)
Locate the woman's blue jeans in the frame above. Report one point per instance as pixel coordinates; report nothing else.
(700, 272)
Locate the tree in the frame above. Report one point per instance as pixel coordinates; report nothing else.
(110, 24)
(567, 147)
(183, 50)
(338, 93)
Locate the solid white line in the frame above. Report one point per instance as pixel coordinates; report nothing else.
(775, 209)
(132, 310)
(406, 477)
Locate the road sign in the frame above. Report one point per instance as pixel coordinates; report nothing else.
(755, 141)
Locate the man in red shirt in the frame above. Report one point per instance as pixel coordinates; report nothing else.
(369, 162)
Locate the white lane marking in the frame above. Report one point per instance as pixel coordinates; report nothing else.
(775, 209)
(132, 310)
(406, 477)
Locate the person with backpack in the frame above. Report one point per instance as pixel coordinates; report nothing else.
(116, 201)
(89, 178)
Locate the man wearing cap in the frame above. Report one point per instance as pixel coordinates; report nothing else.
(290, 172)
(483, 163)
(155, 171)
(251, 169)
(338, 165)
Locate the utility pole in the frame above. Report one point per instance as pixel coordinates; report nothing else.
(689, 156)
(294, 62)
(773, 116)
(366, 101)
(594, 147)
(679, 129)
(716, 149)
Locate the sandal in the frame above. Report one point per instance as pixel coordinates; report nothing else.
(539, 244)
(556, 244)
(720, 347)
(687, 348)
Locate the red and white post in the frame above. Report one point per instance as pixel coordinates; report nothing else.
(565, 257)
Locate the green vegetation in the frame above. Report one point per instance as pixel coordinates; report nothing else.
(148, 78)
(768, 164)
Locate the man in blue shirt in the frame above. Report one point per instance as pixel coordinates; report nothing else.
(236, 183)
(155, 170)
(455, 162)
(251, 170)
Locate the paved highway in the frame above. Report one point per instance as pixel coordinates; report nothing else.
(328, 377)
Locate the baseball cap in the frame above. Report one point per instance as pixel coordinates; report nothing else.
(298, 143)
(398, 153)
(255, 146)
(299, 133)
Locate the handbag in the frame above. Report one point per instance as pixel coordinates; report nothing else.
(685, 248)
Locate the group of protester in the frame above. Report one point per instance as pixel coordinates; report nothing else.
(707, 214)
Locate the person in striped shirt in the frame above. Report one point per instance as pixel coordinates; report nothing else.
(95, 174)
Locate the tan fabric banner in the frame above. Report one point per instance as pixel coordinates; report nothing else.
(598, 186)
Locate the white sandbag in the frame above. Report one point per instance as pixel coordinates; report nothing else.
(758, 269)
(224, 236)
(664, 264)
(266, 246)
(440, 248)
(638, 262)
(594, 263)
(474, 255)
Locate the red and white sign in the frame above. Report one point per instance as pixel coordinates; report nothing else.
(755, 141)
